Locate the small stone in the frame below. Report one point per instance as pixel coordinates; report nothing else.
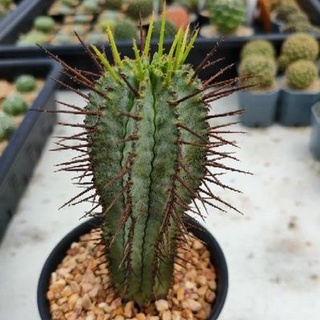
(141, 316)
(162, 305)
(86, 302)
(128, 309)
(166, 315)
(72, 301)
(180, 294)
(192, 305)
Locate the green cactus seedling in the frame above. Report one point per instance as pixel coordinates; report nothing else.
(262, 68)
(228, 15)
(139, 9)
(25, 83)
(298, 46)
(301, 74)
(149, 152)
(258, 47)
(44, 23)
(7, 126)
(14, 105)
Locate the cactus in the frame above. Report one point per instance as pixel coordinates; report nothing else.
(14, 105)
(301, 74)
(113, 4)
(265, 68)
(137, 9)
(7, 126)
(227, 15)
(125, 30)
(258, 47)
(44, 23)
(283, 12)
(169, 32)
(146, 144)
(25, 83)
(298, 46)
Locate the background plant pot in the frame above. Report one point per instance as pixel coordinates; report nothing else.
(58, 253)
(295, 107)
(25, 145)
(315, 131)
(259, 107)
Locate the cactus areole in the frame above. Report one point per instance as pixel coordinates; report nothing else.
(148, 155)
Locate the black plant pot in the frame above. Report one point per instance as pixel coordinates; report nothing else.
(58, 253)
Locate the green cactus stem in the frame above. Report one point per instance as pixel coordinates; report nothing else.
(7, 126)
(149, 154)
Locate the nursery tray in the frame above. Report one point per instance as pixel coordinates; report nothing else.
(75, 55)
(312, 8)
(25, 145)
(20, 8)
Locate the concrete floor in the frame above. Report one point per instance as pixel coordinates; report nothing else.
(273, 249)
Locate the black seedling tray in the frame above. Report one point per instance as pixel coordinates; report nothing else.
(20, 7)
(312, 9)
(25, 145)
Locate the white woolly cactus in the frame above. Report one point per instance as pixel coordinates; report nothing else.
(149, 152)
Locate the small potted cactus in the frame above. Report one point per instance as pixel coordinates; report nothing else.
(226, 18)
(315, 131)
(148, 158)
(296, 46)
(259, 69)
(300, 90)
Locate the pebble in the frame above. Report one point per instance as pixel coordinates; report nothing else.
(79, 288)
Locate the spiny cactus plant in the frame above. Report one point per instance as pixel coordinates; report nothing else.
(298, 46)
(301, 74)
(149, 153)
(258, 47)
(227, 15)
(263, 67)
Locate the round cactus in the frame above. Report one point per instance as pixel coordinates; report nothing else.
(125, 30)
(25, 83)
(14, 105)
(170, 30)
(284, 11)
(299, 46)
(7, 126)
(228, 15)
(113, 4)
(260, 70)
(44, 23)
(33, 37)
(301, 74)
(137, 9)
(258, 47)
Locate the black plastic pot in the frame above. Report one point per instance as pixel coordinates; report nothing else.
(58, 253)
